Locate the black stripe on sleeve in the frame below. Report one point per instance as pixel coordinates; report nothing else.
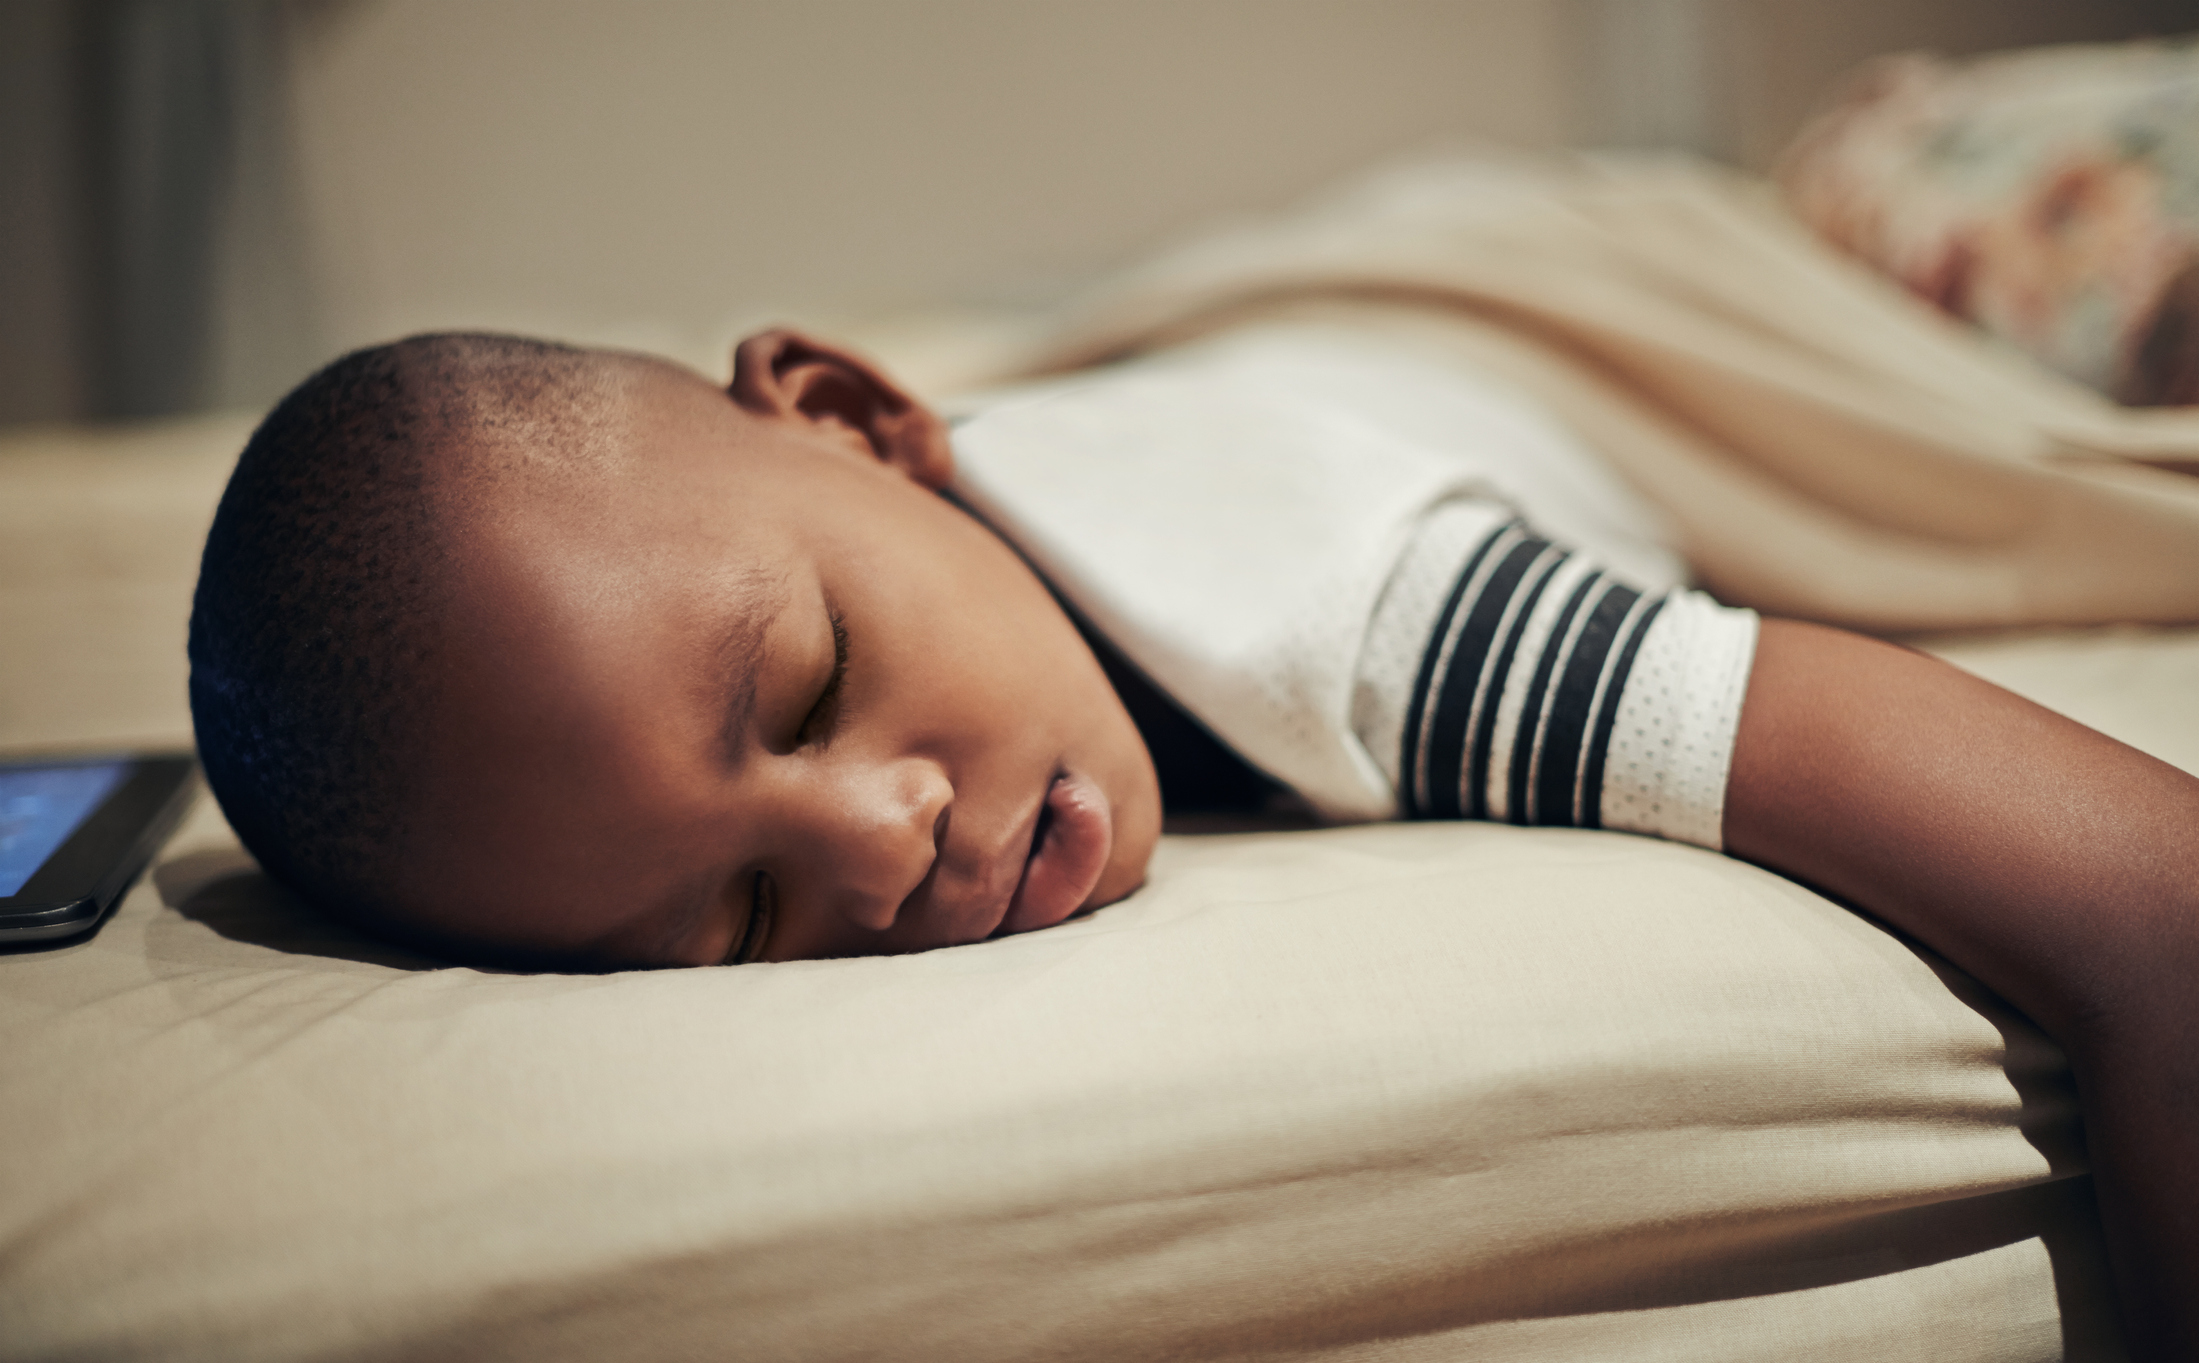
(1477, 765)
(1536, 719)
(1556, 801)
(1410, 785)
(1460, 690)
(1599, 744)
(1566, 686)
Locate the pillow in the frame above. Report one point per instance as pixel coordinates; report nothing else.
(1408, 1091)
(2051, 196)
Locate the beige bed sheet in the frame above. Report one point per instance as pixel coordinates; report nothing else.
(1399, 1092)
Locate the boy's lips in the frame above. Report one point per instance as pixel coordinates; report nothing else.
(1076, 832)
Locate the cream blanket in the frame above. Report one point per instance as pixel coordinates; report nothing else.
(1829, 447)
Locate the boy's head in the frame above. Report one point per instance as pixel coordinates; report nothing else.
(566, 656)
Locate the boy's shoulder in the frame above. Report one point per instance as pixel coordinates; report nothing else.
(1226, 515)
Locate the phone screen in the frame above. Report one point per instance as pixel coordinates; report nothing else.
(41, 806)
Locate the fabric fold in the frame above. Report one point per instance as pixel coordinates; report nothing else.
(1827, 446)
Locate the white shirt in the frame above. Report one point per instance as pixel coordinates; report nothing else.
(1272, 526)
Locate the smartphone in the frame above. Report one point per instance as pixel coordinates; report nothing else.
(75, 831)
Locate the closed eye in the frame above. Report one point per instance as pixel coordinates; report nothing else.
(820, 714)
(763, 903)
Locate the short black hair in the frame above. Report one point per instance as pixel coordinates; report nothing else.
(320, 594)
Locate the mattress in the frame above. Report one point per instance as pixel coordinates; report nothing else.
(1387, 1092)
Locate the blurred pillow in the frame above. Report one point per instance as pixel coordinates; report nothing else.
(2051, 196)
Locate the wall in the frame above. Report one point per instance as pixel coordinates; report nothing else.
(41, 304)
(666, 170)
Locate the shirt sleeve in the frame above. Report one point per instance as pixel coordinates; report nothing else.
(1505, 677)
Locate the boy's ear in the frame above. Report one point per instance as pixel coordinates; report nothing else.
(788, 375)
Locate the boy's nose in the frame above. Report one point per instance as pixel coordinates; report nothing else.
(883, 826)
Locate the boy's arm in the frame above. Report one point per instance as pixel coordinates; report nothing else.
(2058, 866)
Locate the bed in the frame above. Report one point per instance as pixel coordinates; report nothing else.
(1397, 1092)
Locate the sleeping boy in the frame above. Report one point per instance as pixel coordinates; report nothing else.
(573, 659)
